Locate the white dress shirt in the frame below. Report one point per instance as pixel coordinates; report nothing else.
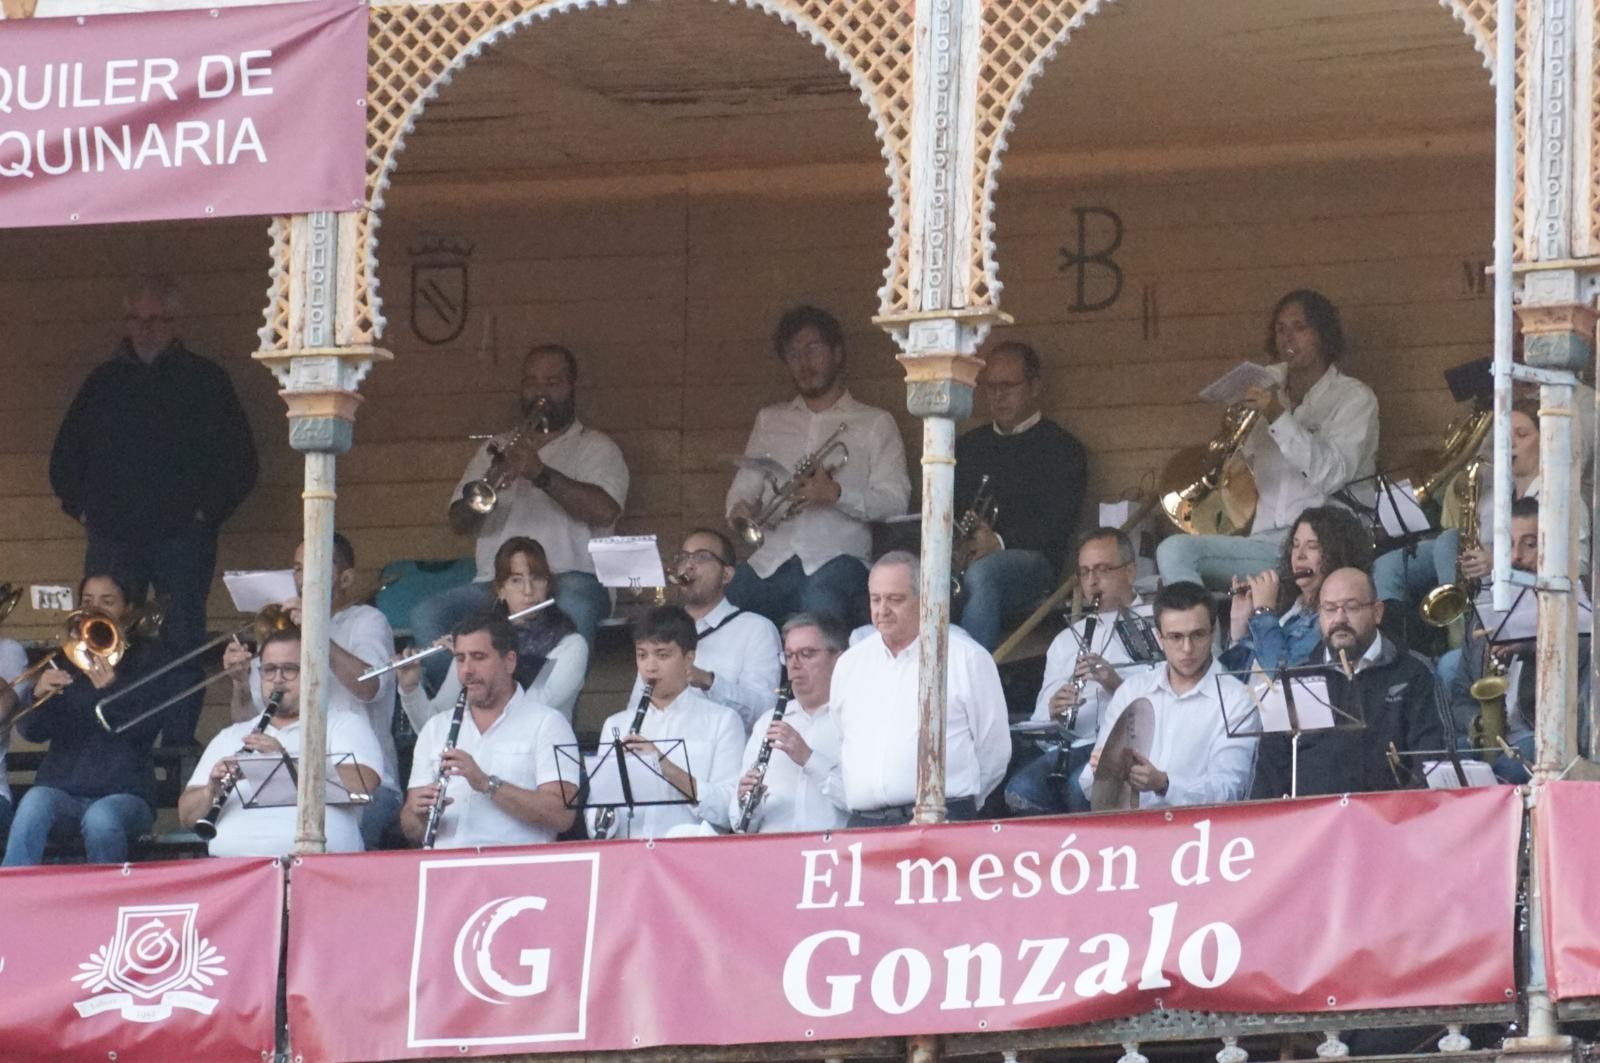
(713, 738)
(874, 696)
(13, 662)
(270, 831)
(1062, 657)
(873, 484)
(557, 685)
(798, 798)
(580, 454)
(365, 634)
(1203, 764)
(519, 747)
(1314, 450)
(743, 654)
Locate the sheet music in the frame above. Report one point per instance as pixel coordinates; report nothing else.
(644, 779)
(1311, 704)
(254, 591)
(1232, 385)
(1441, 774)
(1398, 512)
(628, 561)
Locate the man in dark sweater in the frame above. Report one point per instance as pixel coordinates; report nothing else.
(1037, 475)
(1393, 691)
(154, 454)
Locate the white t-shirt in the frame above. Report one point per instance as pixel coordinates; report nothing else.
(270, 831)
(364, 632)
(519, 747)
(557, 685)
(744, 654)
(580, 454)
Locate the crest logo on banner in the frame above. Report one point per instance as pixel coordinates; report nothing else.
(151, 965)
(440, 295)
(503, 948)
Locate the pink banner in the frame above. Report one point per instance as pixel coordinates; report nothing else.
(1569, 862)
(157, 962)
(1317, 905)
(183, 114)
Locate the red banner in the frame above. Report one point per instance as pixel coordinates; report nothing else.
(1569, 864)
(1317, 905)
(183, 114)
(153, 962)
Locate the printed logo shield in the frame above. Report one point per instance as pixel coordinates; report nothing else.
(150, 965)
(440, 293)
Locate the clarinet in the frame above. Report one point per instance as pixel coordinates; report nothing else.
(206, 828)
(753, 796)
(606, 820)
(436, 810)
(1064, 751)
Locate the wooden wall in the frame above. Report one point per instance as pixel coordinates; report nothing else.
(667, 290)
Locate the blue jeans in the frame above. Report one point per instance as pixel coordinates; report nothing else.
(838, 588)
(379, 813)
(179, 566)
(1031, 791)
(108, 825)
(578, 594)
(1408, 575)
(1213, 560)
(999, 590)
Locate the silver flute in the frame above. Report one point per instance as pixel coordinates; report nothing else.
(429, 651)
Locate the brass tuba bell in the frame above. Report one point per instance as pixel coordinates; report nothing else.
(1209, 493)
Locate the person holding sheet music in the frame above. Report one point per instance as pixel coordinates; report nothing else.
(1081, 676)
(1507, 642)
(1204, 741)
(552, 658)
(701, 742)
(1317, 435)
(502, 785)
(1387, 699)
(270, 831)
(359, 636)
(1274, 613)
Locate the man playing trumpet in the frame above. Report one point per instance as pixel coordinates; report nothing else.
(814, 554)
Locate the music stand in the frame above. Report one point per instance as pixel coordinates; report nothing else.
(1396, 518)
(1138, 635)
(274, 780)
(1288, 701)
(617, 777)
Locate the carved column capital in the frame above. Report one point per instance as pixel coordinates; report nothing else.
(940, 358)
(319, 387)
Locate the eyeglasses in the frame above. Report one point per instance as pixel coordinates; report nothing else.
(807, 655)
(698, 556)
(287, 671)
(1100, 570)
(1333, 609)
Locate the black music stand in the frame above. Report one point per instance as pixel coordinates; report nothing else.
(617, 777)
(1394, 515)
(1290, 701)
(274, 780)
(1138, 635)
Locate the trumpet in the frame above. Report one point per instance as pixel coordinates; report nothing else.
(206, 827)
(430, 831)
(606, 820)
(753, 796)
(90, 636)
(783, 504)
(482, 495)
(985, 509)
(1058, 773)
(263, 625)
(1448, 602)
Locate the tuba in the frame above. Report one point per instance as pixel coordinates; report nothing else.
(1447, 603)
(752, 530)
(1221, 499)
(1461, 444)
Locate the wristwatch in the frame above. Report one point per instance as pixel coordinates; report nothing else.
(493, 786)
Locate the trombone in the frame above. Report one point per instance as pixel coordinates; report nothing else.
(783, 504)
(269, 621)
(90, 636)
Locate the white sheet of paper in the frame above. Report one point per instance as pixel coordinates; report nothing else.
(644, 778)
(49, 597)
(1441, 774)
(267, 783)
(1523, 621)
(1398, 511)
(1230, 387)
(254, 591)
(1115, 514)
(628, 561)
(1311, 705)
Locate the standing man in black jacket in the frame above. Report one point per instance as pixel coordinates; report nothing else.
(1392, 690)
(1037, 474)
(154, 454)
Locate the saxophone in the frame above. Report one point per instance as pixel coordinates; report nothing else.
(1447, 603)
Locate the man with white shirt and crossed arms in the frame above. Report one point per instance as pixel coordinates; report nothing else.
(875, 700)
(802, 786)
(502, 786)
(1195, 758)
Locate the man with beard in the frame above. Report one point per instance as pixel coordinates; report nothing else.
(1392, 690)
(813, 556)
(564, 485)
(737, 653)
(1194, 759)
